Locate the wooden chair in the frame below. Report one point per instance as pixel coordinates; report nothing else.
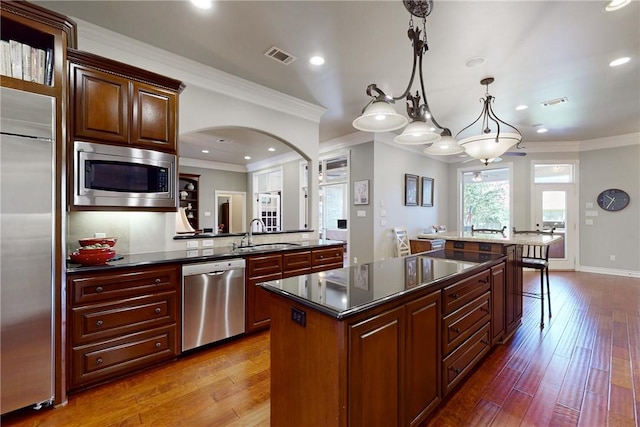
(402, 241)
(537, 257)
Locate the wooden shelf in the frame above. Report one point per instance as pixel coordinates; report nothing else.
(192, 198)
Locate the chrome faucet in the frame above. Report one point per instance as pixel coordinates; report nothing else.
(259, 221)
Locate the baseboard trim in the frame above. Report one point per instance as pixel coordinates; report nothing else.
(609, 271)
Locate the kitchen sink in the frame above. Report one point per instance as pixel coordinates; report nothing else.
(266, 247)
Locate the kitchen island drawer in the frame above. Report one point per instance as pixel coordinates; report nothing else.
(465, 291)
(101, 321)
(98, 287)
(457, 365)
(461, 324)
(109, 359)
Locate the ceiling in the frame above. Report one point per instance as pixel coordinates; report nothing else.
(536, 50)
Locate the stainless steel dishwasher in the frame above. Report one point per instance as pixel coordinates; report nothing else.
(212, 302)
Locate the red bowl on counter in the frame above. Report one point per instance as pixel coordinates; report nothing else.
(92, 256)
(111, 241)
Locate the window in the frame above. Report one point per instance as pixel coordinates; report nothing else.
(267, 191)
(333, 191)
(486, 199)
(557, 173)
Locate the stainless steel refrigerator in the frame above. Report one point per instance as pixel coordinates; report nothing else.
(27, 229)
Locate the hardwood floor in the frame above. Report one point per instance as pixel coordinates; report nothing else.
(582, 369)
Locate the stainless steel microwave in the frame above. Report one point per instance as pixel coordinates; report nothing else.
(123, 177)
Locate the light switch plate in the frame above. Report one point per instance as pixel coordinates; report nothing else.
(192, 244)
(207, 243)
(588, 221)
(362, 213)
(207, 252)
(207, 213)
(590, 213)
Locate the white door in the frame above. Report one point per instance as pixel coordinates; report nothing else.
(554, 206)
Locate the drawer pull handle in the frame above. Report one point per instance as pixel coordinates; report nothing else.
(456, 370)
(456, 330)
(157, 310)
(158, 345)
(485, 342)
(485, 309)
(158, 281)
(454, 296)
(99, 289)
(98, 360)
(485, 281)
(99, 323)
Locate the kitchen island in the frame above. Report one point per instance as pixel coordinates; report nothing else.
(381, 343)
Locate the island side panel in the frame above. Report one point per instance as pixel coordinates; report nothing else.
(308, 367)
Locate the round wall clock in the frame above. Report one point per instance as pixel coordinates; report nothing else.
(613, 199)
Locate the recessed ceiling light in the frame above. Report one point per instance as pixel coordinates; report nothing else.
(522, 107)
(476, 61)
(271, 149)
(619, 61)
(202, 4)
(615, 5)
(316, 60)
(205, 151)
(542, 130)
(247, 157)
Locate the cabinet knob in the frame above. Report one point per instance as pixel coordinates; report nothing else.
(158, 345)
(99, 289)
(98, 360)
(157, 310)
(454, 296)
(158, 281)
(99, 323)
(456, 370)
(456, 330)
(485, 309)
(485, 342)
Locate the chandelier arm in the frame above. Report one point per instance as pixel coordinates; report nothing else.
(424, 95)
(473, 122)
(496, 119)
(413, 74)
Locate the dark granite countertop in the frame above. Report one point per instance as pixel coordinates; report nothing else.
(197, 255)
(346, 291)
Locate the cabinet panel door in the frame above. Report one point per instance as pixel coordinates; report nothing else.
(376, 348)
(498, 302)
(101, 103)
(423, 357)
(154, 117)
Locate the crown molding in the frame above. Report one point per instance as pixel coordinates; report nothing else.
(346, 141)
(611, 142)
(195, 73)
(206, 164)
(274, 161)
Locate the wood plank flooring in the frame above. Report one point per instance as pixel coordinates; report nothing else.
(582, 369)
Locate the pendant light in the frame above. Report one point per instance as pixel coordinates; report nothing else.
(379, 115)
(487, 145)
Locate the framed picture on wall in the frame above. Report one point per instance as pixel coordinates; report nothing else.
(361, 192)
(427, 191)
(410, 190)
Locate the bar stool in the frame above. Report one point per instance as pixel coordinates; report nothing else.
(537, 257)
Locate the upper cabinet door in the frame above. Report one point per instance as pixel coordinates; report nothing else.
(101, 105)
(154, 117)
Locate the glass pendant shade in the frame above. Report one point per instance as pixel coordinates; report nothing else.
(484, 147)
(445, 146)
(379, 116)
(417, 133)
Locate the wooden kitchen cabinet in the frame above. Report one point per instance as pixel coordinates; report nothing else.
(264, 268)
(513, 286)
(423, 356)
(116, 103)
(121, 322)
(376, 348)
(498, 302)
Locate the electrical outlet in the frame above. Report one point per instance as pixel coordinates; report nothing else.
(207, 252)
(305, 236)
(191, 253)
(192, 244)
(588, 221)
(299, 316)
(207, 213)
(207, 243)
(355, 260)
(612, 257)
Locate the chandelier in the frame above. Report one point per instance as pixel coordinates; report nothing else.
(487, 145)
(379, 115)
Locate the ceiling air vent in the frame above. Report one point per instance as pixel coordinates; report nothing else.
(553, 102)
(280, 55)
